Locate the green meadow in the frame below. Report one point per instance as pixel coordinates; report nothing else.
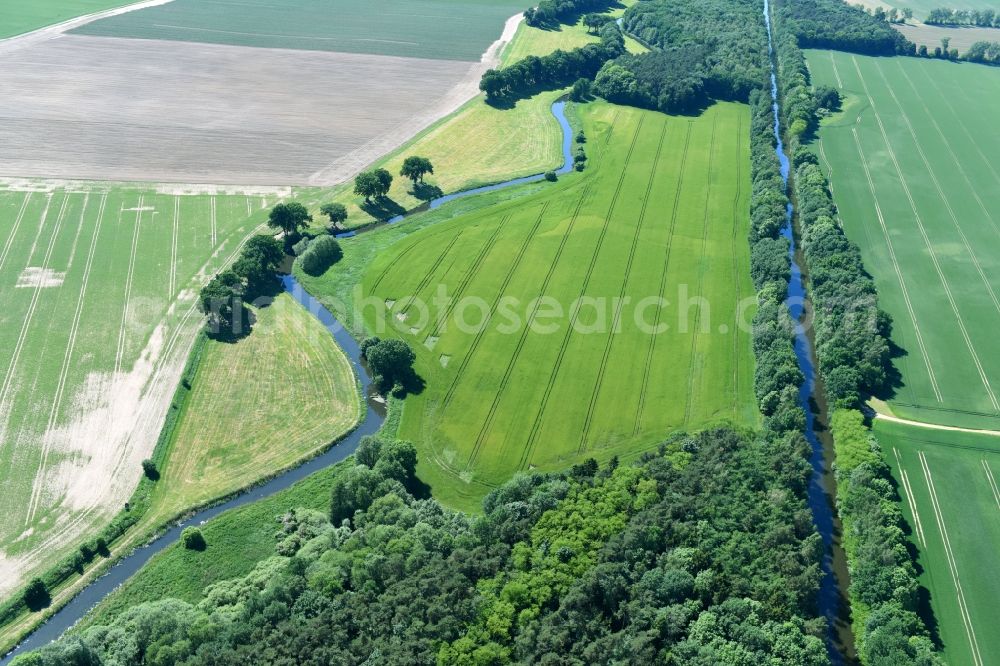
(439, 29)
(951, 501)
(913, 165)
(545, 353)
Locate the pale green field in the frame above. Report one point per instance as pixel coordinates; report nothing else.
(951, 501)
(913, 166)
(18, 17)
(661, 209)
(98, 288)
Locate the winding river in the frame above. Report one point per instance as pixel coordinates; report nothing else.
(832, 604)
(96, 591)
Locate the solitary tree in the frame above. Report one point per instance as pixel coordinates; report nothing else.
(193, 539)
(391, 361)
(219, 301)
(945, 41)
(336, 212)
(258, 263)
(373, 184)
(415, 168)
(36, 595)
(289, 217)
(595, 22)
(149, 469)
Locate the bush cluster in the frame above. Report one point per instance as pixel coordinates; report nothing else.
(322, 253)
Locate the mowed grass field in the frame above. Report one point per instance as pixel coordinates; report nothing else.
(98, 289)
(20, 17)
(660, 212)
(243, 420)
(438, 29)
(914, 168)
(951, 501)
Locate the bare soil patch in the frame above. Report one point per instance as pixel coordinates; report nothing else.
(140, 110)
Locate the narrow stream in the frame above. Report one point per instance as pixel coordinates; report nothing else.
(832, 592)
(95, 592)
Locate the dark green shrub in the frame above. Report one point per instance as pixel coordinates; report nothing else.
(322, 253)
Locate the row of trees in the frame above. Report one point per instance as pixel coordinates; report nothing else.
(985, 18)
(833, 24)
(556, 70)
(851, 336)
(891, 15)
(696, 60)
(550, 13)
(253, 275)
(664, 561)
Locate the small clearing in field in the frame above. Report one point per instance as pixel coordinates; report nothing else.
(39, 277)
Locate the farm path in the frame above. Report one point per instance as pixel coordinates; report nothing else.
(52, 31)
(935, 426)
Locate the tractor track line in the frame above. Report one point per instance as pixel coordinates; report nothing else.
(35, 296)
(488, 423)
(13, 231)
(554, 375)
(172, 288)
(930, 248)
(74, 330)
(424, 281)
(640, 408)
(701, 277)
(616, 319)
(215, 227)
(496, 301)
(952, 563)
(992, 481)
(940, 191)
(910, 498)
(470, 275)
(737, 274)
(129, 276)
(896, 267)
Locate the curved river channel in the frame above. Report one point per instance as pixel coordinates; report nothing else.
(95, 592)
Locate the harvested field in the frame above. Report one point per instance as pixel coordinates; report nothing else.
(441, 29)
(961, 38)
(20, 17)
(89, 362)
(180, 112)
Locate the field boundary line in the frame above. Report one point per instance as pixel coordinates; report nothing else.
(992, 481)
(663, 281)
(701, 276)
(36, 492)
(471, 274)
(930, 247)
(35, 296)
(899, 271)
(911, 499)
(13, 231)
(935, 426)
(425, 280)
(493, 307)
(736, 269)
(122, 331)
(954, 157)
(952, 564)
(940, 191)
(488, 423)
(616, 318)
(553, 376)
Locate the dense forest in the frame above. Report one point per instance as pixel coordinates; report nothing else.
(700, 553)
(833, 24)
(703, 51)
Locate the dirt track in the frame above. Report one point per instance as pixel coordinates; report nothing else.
(122, 109)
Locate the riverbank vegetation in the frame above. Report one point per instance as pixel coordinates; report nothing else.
(853, 361)
(408, 580)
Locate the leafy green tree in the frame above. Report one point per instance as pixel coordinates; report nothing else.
(373, 184)
(595, 22)
(415, 168)
(322, 253)
(259, 261)
(289, 217)
(36, 595)
(337, 213)
(193, 539)
(392, 360)
(580, 91)
(220, 301)
(149, 469)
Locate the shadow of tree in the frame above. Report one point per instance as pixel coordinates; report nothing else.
(382, 209)
(426, 191)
